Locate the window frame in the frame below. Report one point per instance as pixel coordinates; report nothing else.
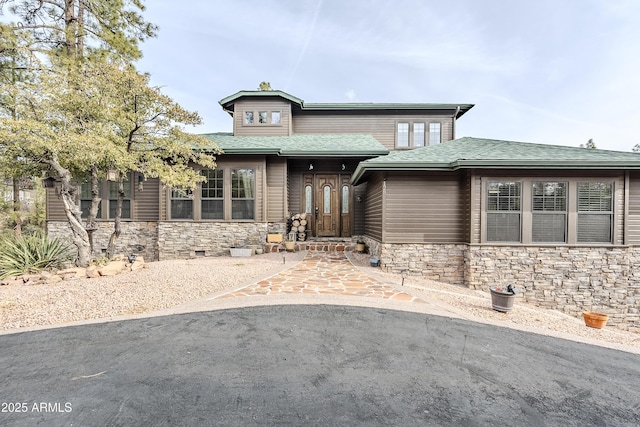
(227, 200)
(258, 115)
(571, 221)
(411, 133)
(509, 212)
(104, 208)
(439, 133)
(549, 212)
(202, 189)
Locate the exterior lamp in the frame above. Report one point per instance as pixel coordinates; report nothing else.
(140, 182)
(49, 182)
(310, 166)
(404, 276)
(112, 175)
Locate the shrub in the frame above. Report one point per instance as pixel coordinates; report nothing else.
(31, 254)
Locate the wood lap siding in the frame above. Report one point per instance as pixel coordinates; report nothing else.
(276, 190)
(55, 207)
(634, 209)
(295, 192)
(381, 127)
(424, 209)
(373, 208)
(146, 202)
(358, 207)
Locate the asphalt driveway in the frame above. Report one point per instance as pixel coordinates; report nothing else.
(311, 365)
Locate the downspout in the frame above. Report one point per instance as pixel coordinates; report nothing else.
(453, 122)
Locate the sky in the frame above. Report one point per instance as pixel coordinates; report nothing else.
(545, 71)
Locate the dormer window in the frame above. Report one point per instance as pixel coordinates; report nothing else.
(260, 118)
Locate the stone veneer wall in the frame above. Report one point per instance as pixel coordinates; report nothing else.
(178, 239)
(135, 235)
(566, 278)
(443, 262)
(571, 279)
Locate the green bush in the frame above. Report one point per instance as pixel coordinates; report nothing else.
(31, 254)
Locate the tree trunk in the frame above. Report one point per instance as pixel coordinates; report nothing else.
(80, 237)
(116, 224)
(95, 204)
(17, 207)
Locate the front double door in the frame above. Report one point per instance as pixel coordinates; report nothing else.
(327, 201)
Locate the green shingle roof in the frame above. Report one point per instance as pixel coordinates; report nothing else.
(496, 154)
(228, 102)
(318, 145)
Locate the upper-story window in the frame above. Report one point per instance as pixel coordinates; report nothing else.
(418, 134)
(403, 134)
(434, 133)
(414, 134)
(262, 118)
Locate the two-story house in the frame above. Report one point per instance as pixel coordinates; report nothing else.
(562, 223)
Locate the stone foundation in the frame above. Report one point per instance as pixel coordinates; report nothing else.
(179, 240)
(444, 263)
(570, 279)
(136, 238)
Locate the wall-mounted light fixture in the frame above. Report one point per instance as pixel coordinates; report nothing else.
(359, 198)
(49, 182)
(140, 182)
(310, 166)
(112, 175)
(344, 166)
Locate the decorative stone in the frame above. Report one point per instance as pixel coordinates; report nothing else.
(92, 272)
(111, 269)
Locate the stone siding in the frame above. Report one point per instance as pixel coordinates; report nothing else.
(571, 279)
(177, 239)
(442, 262)
(137, 237)
(565, 278)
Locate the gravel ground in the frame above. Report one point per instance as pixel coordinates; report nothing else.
(162, 285)
(173, 283)
(475, 306)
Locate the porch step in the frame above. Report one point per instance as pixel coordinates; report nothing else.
(315, 245)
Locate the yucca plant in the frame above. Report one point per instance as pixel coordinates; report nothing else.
(31, 254)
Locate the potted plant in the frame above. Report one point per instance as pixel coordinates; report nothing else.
(274, 237)
(594, 319)
(290, 244)
(360, 245)
(502, 299)
(237, 250)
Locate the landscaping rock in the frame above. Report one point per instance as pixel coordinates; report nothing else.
(53, 280)
(138, 264)
(113, 268)
(72, 273)
(92, 272)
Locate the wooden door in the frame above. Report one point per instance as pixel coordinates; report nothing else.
(327, 211)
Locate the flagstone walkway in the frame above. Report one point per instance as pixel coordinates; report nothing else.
(322, 273)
